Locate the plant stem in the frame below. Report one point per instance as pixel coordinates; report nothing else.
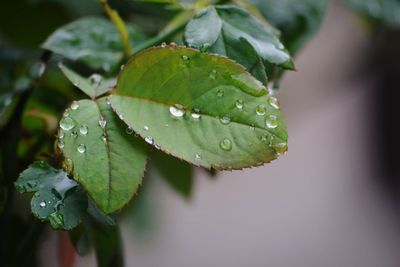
(120, 25)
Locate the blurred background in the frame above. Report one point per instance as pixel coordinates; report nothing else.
(331, 201)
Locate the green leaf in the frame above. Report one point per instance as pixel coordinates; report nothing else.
(386, 11)
(177, 173)
(94, 41)
(94, 86)
(234, 32)
(81, 238)
(297, 20)
(99, 153)
(57, 198)
(201, 108)
(108, 246)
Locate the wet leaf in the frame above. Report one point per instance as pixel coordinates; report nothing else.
(57, 199)
(100, 153)
(204, 109)
(93, 86)
(232, 31)
(297, 20)
(94, 41)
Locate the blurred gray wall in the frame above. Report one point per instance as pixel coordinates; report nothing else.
(318, 206)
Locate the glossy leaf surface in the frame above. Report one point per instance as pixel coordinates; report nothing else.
(107, 161)
(202, 108)
(94, 41)
(57, 198)
(234, 32)
(93, 86)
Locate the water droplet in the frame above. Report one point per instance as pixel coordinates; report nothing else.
(273, 102)
(42, 204)
(220, 93)
(157, 146)
(272, 122)
(74, 105)
(61, 144)
(261, 110)
(239, 104)
(166, 125)
(264, 138)
(121, 117)
(76, 83)
(173, 44)
(163, 45)
(74, 134)
(122, 67)
(146, 128)
(177, 111)
(280, 148)
(67, 123)
(102, 122)
(108, 102)
(95, 79)
(185, 58)
(129, 130)
(61, 134)
(198, 156)
(84, 130)
(225, 120)
(196, 116)
(104, 138)
(81, 148)
(226, 144)
(149, 140)
(252, 127)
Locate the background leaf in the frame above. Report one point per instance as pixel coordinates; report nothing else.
(106, 160)
(57, 198)
(232, 31)
(108, 246)
(202, 108)
(297, 20)
(94, 41)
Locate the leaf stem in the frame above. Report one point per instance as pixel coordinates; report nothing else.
(120, 25)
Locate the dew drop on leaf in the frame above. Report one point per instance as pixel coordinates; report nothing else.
(273, 102)
(185, 58)
(42, 204)
(261, 110)
(226, 144)
(177, 111)
(157, 146)
(102, 122)
(84, 130)
(163, 45)
(271, 122)
(239, 104)
(74, 105)
(225, 120)
(74, 134)
(149, 140)
(146, 128)
(61, 134)
(220, 93)
(67, 123)
(61, 144)
(121, 117)
(198, 156)
(81, 148)
(280, 148)
(95, 79)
